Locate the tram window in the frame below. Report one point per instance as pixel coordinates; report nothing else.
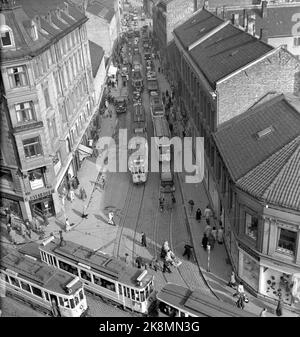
(142, 296)
(14, 281)
(132, 294)
(182, 314)
(43, 257)
(76, 300)
(6, 278)
(137, 295)
(67, 304)
(147, 291)
(61, 302)
(37, 291)
(120, 289)
(72, 303)
(97, 280)
(80, 295)
(108, 285)
(127, 292)
(67, 267)
(151, 287)
(85, 275)
(47, 296)
(25, 286)
(51, 260)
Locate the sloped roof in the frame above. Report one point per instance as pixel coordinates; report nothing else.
(97, 54)
(278, 21)
(19, 19)
(237, 140)
(224, 51)
(196, 27)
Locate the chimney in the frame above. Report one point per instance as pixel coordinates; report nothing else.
(224, 12)
(235, 19)
(219, 11)
(205, 5)
(263, 36)
(251, 27)
(264, 10)
(245, 18)
(195, 5)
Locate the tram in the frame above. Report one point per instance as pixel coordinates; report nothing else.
(161, 130)
(138, 163)
(43, 287)
(178, 301)
(101, 274)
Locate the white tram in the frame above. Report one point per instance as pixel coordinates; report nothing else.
(161, 130)
(178, 301)
(102, 274)
(45, 288)
(138, 162)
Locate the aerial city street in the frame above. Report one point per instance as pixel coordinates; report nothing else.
(150, 158)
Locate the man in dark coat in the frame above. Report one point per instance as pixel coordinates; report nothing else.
(143, 239)
(204, 241)
(187, 251)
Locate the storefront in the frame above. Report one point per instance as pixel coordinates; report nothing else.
(42, 204)
(12, 203)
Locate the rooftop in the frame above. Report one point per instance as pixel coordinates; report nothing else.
(218, 50)
(260, 149)
(103, 9)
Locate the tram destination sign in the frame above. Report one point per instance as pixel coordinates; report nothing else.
(41, 195)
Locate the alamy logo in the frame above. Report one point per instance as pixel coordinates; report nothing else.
(175, 153)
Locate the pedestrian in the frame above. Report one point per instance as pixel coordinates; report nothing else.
(164, 249)
(72, 195)
(207, 230)
(232, 282)
(204, 241)
(187, 251)
(77, 181)
(84, 213)
(220, 235)
(45, 219)
(139, 262)
(67, 225)
(211, 241)
(263, 313)
(279, 307)
(207, 214)
(143, 239)
(198, 214)
(167, 93)
(240, 289)
(8, 228)
(155, 264)
(111, 218)
(159, 69)
(28, 228)
(83, 193)
(166, 267)
(191, 203)
(173, 199)
(161, 203)
(183, 133)
(214, 233)
(171, 128)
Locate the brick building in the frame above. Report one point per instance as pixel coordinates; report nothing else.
(220, 72)
(48, 102)
(258, 174)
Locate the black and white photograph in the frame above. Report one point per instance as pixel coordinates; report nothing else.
(149, 162)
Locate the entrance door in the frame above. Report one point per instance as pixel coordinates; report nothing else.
(44, 206)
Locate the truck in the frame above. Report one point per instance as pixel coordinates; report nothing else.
(152, 85)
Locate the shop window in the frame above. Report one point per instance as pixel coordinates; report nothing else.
(32, 147)
(37, 291)
(251, 226)
(17, 76)
(25, 112)
(36, 178)
(287, 241)
(25, 286)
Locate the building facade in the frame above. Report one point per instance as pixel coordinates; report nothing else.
(49, 94)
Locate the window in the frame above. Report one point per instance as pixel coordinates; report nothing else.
(67, 267)
(85, 275)
(37, 291)
(25, 112)
(251, 226)
(52, 128)
(287, 241)
(36, 178)
(25, 286)
(14, 282)
(47, 97)
(81, 294)
(17, 76)
(6, 39)
(297, 41)
(32, 147)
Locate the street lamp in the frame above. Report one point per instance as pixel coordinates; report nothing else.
(208, 257)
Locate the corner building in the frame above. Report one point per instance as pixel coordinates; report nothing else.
(47, 105)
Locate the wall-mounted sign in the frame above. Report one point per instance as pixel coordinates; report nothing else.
(42, 195)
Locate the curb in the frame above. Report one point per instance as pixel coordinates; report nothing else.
(188, 225)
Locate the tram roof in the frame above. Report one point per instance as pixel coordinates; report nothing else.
(161, 127)
(138, 113)
(99, 262)
(37, 272)
(197, 303)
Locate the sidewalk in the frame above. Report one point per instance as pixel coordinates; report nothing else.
(220, 267)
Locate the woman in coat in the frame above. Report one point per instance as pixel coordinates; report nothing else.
(204, 241)
(198, 214)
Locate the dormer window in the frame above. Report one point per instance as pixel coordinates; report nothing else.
(7, 39)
